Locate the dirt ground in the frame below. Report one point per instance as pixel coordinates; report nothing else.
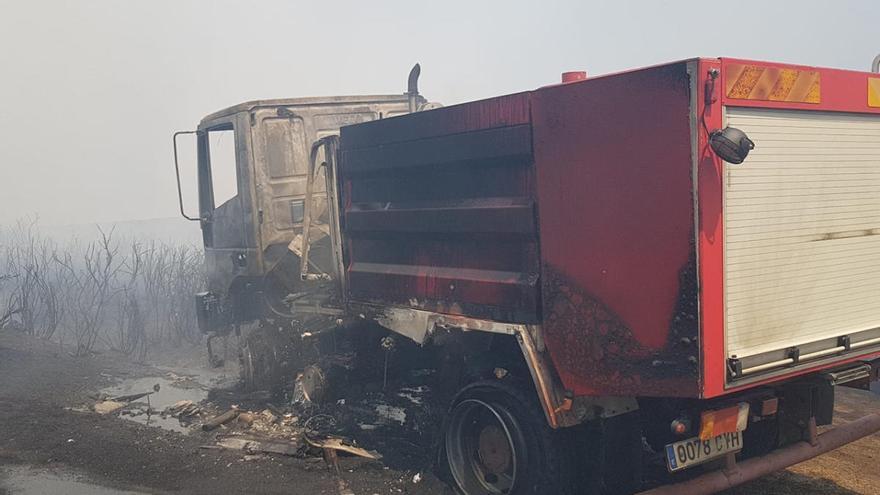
(48, 444)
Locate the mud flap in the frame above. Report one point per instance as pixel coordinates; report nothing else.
(802, 401)
(621, 459)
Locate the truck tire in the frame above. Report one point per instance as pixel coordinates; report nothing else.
(496, 440)
(258, 362)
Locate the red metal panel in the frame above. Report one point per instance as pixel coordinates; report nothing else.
(613, 163)
(841, 90)
(710, 171)
(439, 211)
(501, 111)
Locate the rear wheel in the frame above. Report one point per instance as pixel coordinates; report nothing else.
(497, 441)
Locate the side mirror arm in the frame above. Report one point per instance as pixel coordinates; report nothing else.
(177, 174)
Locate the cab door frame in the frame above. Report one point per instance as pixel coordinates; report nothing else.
(228, 230)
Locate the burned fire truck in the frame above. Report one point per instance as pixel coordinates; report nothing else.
(681, 260)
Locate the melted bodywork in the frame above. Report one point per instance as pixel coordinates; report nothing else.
(254, 238)
(438, 213)
(273, 139)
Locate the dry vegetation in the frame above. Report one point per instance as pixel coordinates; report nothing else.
(103, 293)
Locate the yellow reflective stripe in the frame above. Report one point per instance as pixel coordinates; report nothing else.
(745, 83)
(813, 96)
(784, 83)
(874, 92)
(751, 82)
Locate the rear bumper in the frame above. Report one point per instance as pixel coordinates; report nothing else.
(734, 473)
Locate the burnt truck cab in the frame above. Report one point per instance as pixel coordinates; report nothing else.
(253, 160)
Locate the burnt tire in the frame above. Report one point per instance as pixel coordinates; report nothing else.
(496, 441)
(258, 362)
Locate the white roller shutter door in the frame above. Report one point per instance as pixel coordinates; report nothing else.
(802, 229)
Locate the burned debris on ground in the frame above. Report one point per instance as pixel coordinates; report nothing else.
(394, 424)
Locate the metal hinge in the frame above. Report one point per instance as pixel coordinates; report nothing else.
(734, 367)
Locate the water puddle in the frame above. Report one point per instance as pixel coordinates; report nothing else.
(164, 391)
(26, 481)
(147, 410)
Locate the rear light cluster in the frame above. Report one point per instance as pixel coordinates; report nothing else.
(769, 407)
(728, 420)
(681, 426)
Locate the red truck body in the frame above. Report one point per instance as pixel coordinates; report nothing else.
(596, 211)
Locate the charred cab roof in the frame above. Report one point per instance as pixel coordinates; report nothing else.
(249, 106)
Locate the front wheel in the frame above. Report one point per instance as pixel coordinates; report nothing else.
(497, 441)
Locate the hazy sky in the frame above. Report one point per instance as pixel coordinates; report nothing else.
(92, 90)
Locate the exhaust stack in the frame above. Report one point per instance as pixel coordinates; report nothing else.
(412, 87)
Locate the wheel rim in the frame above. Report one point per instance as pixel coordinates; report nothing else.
(480, 448)
(248, 367)
(257, 360)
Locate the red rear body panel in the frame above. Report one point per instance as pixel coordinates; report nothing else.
(615, 203)
(593, 208)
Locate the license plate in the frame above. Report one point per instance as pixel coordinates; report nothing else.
(693, 451)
